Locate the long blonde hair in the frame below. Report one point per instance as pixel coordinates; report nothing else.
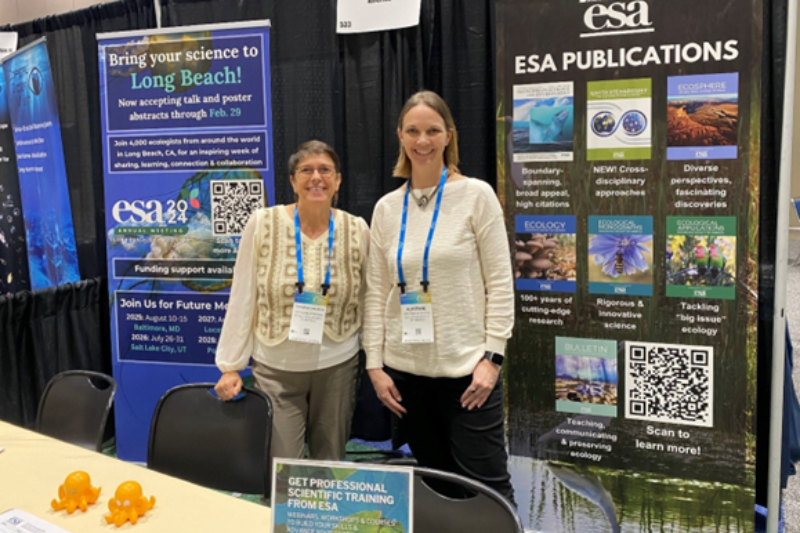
(402, 169)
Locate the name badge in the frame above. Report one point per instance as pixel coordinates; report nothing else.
(308, 317)
(417, 313)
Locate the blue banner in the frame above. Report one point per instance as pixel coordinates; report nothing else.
(31, 99)
(13, 255)
(187, 145)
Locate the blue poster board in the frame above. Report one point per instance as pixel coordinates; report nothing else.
(31, 98)
(186, 121)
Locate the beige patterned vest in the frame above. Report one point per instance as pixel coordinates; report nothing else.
(277, 274)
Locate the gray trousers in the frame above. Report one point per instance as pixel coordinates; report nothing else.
(316, 406)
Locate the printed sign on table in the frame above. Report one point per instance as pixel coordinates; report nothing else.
(330, 497)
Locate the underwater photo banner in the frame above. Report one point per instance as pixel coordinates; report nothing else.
(628, 138)
(187, 146)
(44, 202)
(14, 274)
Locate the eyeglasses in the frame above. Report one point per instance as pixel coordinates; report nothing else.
(307, 172)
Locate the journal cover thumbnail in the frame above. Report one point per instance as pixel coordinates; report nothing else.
(586, 376)
(701, 257)
(543, 122)
(621, 255)
(619, 119)
(545, 258)
(703, 116)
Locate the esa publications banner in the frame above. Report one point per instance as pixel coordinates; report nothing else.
(628, 138)
(187, 135)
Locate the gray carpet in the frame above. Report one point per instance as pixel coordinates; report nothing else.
(791, 496)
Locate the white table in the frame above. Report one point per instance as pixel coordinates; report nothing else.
(33, 466)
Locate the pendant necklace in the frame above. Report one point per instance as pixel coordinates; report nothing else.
(423, 199)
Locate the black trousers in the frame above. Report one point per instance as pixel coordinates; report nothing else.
(445, 436)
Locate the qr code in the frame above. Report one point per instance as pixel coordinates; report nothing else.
(232, 202)
(671, 383)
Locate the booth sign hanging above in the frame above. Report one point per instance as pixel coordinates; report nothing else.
(361, 16)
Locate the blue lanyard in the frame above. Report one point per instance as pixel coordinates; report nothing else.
(401, 245)
(299, 254)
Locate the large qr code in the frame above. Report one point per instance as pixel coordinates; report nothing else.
(669, 383)
(232, 202)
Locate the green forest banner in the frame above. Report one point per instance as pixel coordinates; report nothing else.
(628, 163)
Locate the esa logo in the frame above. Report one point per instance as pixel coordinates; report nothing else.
(615, 18)
(149, 212)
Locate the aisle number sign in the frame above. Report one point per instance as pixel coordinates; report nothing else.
(361, 16)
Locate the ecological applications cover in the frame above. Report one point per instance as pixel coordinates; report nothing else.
(619, 124)
(621, 255)
(701, 257)
(543, 122)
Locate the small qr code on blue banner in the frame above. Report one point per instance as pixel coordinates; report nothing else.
(671, 383)
(232, 203)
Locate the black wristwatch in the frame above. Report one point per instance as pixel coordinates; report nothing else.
(494, 357)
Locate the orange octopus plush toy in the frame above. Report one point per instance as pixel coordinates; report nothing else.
(76, 493)
(128, 504)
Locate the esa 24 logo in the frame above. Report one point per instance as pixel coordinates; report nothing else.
(615, 18)
(150, 212)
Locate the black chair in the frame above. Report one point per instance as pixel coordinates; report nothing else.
(482, 508)
(222, 445)
(75, 406)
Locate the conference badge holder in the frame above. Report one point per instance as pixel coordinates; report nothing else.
(415, 306)
(308, 312)
(417, 315)
(308, 317)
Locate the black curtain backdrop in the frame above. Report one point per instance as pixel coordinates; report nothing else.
(44, 333)
(347, 90)
(344, 89)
